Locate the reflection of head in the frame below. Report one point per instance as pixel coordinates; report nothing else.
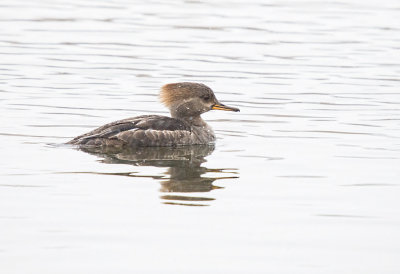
(184, 167)
(183, 179)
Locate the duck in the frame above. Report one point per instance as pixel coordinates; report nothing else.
(186, 102)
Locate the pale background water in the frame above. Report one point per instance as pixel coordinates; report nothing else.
(305, 179)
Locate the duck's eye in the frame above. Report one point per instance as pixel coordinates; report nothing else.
(206, 97)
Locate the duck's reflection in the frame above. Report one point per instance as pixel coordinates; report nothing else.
(185, 171)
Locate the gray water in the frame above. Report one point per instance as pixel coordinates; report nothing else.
(305, 179)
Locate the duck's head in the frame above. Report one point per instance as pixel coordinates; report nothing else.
(190, 99)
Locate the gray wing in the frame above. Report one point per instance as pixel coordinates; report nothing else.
(147, 130)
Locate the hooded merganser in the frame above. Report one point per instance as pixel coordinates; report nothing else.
(186, 102)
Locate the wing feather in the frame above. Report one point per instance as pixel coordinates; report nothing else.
(148, 130)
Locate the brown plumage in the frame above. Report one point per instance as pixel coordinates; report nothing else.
(186, 101)
(178, 92)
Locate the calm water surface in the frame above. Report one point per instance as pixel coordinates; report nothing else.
(305, 179)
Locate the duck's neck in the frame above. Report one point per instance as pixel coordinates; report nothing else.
(191, 120)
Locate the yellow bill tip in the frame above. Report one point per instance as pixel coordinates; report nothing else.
(223, 107)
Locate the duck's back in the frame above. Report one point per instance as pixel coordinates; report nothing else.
(147, 130)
